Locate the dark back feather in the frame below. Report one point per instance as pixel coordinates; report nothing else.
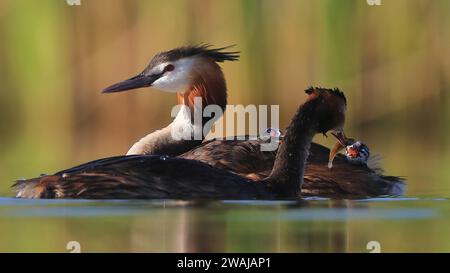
(142, 176)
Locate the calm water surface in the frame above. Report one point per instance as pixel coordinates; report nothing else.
(315, 225)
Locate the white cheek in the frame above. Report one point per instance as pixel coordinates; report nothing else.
(177, 80)
(172, 83)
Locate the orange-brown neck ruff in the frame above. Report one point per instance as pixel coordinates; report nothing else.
(208, 83)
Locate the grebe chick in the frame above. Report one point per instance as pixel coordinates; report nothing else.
(356, 152)
(271, 133)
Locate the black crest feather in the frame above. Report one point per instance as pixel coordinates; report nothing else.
(217, 54)
(334, 91)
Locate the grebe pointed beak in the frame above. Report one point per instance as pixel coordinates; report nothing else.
(340, 136)
(333, 152)
(339, 146)
(138, 81)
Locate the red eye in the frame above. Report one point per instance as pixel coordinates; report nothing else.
(169, 67)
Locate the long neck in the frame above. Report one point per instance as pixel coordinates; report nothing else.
(208, 86)
(286, 177)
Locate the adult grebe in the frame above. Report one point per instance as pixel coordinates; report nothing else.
(192, 71)
(350, 176)
(150, 176)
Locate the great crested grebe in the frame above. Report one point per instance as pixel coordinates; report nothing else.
(192, 71)
(349, 176)
(151, 176)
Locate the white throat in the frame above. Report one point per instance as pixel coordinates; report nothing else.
(181, 128)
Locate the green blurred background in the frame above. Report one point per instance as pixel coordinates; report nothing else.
(392, 61)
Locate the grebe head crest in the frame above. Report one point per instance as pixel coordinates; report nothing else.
(331, 109)
(173, 70)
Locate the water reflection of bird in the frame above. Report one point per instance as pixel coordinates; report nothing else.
(193, 72)
(150, 176)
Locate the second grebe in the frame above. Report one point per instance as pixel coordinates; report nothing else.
(349, 177)
(150, 176)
